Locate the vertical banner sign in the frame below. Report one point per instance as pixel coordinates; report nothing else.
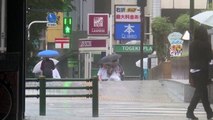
(98, 24)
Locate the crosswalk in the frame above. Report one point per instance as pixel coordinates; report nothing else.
(141, 110)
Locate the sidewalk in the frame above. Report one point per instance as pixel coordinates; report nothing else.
(126, 100)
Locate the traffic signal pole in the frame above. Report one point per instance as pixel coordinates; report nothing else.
(142, 4)
(28, 28)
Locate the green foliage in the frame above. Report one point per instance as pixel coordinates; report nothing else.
(161, 27)
(182, 23)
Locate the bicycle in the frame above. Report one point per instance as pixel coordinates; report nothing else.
(6, 101)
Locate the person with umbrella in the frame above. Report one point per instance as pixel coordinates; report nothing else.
(47, 67)
(200, 55)
(102, 72)
(115, 71)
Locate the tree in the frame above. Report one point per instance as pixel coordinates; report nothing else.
(182, 23)
(38, 10)
(161, 27)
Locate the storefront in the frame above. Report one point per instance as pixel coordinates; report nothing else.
(130, 55)
(91, 50)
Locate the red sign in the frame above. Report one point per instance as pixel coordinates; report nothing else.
(62, 43)
(92, 43)
(98, 24)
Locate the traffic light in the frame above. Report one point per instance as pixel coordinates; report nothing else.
(67, 25)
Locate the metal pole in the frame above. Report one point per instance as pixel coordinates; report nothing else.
(42, 100)
(110, 35)
(95, 97)
(28, 28)
(191, 21)
(142, 4)
(81, 15)
(3, 23)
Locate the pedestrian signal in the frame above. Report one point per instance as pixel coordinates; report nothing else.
(67, 25)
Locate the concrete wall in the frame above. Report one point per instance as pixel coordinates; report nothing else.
(162, 71)
(182, 90)
(177, 68)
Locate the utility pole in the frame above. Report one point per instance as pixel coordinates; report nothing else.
(142, 4)
(191, 21)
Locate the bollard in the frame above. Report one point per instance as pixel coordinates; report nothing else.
(95, 97)
(42, 100)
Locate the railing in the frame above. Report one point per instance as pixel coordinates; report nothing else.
(41, 87)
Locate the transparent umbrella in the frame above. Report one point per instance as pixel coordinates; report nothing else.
(205, 18)
(36, 68)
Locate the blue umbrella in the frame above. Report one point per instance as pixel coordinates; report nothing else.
(48, 53)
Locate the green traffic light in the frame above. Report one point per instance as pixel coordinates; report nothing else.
(65, 21)
(67, 25)
(67, 30)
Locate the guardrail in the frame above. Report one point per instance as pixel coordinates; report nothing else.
(41, 86)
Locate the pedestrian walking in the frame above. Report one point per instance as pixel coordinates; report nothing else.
(102, 73)
(115, 71)
(200, 54)
(47, 67)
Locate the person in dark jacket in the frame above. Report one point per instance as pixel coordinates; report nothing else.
(47, 66)
(200, 55)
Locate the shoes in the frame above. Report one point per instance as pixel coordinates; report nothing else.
(191, 116)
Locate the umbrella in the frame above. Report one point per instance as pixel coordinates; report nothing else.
(37, 67)
(205, 18)
(48, 53)
(109, 58)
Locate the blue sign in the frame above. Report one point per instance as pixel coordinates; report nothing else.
(51, 18)
(127, 31)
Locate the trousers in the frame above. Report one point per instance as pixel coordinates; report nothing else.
(201, 92)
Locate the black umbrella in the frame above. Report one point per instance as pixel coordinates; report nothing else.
(109, 58)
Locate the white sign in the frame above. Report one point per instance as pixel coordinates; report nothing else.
(62, 43)
(127, 14)
(175, 38)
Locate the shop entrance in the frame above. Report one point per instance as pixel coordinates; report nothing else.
(91, 50)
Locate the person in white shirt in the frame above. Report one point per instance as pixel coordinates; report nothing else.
(102, 73)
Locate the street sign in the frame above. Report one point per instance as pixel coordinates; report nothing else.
(62, 43)
(129, 13)
(98, 24)
(52, 19)
(92, 43)
(127, 31)
(148, 49)
(175, 37)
